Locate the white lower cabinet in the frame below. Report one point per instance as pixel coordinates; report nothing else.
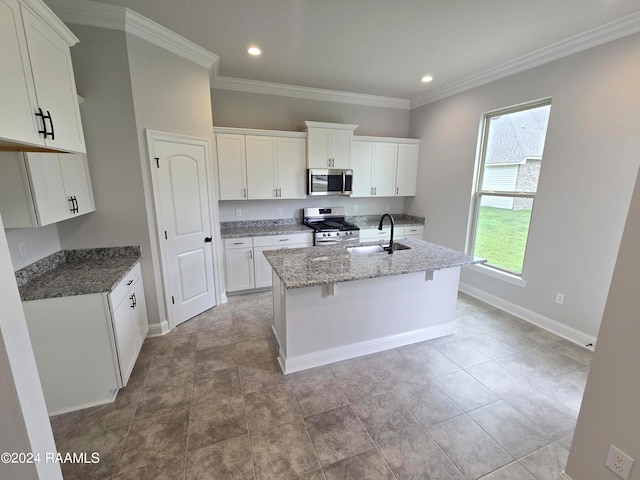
(247, 268)
(399, 232)
(85, 346)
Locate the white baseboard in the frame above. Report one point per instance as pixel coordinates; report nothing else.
(564, 476)
(323, 357)
(82, 406)
(553, 326)
(158, 329)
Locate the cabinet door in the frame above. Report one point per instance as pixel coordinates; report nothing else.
(125, 336)
(232, 166)
(384, 169)
(318, 148)
(239, 269)
(77, 184)
(362, 163)
(261, 166)
(139, 325)
(47, 188)
(407, 172)
(292, 168)
(55, 84)
(262, 267)
(340, 148)
(17, 93)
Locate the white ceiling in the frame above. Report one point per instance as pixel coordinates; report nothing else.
(377, 47)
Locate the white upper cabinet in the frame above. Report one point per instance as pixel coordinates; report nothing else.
(292, 167)
(232, 166)
(407, 172)
(37, 88)
(38, 189)
(260, 167)
(328, 144)
(384, 167)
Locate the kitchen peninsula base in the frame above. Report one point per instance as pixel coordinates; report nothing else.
(322, 324)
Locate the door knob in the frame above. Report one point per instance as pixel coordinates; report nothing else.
(207, 239)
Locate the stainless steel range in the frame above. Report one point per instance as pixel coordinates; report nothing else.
(330, 226)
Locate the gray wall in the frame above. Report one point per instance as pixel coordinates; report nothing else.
(609, 413)
(275, 112)
(588, 170)
(39, 242)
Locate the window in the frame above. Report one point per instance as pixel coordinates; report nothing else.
(511, 145)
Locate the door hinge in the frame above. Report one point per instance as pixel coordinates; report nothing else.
(157, 162)
(173, 300)
(165, 235)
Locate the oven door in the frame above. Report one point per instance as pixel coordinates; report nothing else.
(329, 182)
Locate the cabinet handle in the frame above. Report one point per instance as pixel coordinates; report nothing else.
(44, 118)
(129, 282)
(284, 239)
(74, 204)
(133, 300)
(397, 190)
(251, 254)
(244, 192)
(238, 243)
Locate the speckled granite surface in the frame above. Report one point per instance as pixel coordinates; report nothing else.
(258, 228)
(306, 267)
(284, 226)
(372, 221)
(76, 272)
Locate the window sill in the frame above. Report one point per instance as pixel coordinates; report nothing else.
(497, 274)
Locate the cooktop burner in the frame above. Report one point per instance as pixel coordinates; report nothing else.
(332, 225)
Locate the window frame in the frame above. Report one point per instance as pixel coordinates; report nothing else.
(478, 192)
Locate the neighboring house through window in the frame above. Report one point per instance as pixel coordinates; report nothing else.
(511, 145)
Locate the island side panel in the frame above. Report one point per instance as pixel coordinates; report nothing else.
(324, 324)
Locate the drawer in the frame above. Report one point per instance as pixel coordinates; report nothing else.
(242, 242)
(414, 231)
(283, 240)
(120, 291)
(368, 234)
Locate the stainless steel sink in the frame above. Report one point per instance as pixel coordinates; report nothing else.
(371, 249)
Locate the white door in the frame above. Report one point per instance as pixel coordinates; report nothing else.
(179, 172)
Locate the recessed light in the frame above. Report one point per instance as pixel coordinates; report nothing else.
(426, 79)
(255, 51)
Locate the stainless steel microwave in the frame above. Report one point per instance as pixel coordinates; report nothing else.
(329, 182)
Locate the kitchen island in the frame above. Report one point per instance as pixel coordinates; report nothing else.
(331, 304)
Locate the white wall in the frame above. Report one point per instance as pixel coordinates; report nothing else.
(275, 112)
(610, 413)
(590, 159)
(268, 209)
(39, 242)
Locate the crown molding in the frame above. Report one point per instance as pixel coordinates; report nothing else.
(101, 15)
(308, 93)
(43, 11)
(622, 27)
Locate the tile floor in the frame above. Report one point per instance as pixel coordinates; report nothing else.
(498, 400)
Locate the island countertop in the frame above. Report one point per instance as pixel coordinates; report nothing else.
(307, 267)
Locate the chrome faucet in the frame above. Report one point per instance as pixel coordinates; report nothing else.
(390, 247)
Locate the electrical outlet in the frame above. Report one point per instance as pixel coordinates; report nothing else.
(279, 211)
(560, 298)
(355, 208)
(619, 462)
(238, 212)
(387, 207)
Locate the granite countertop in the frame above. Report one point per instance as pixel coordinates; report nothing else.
(263, 230)
(399, 221)
(280, 226)
(307, 267)
(76, 272)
